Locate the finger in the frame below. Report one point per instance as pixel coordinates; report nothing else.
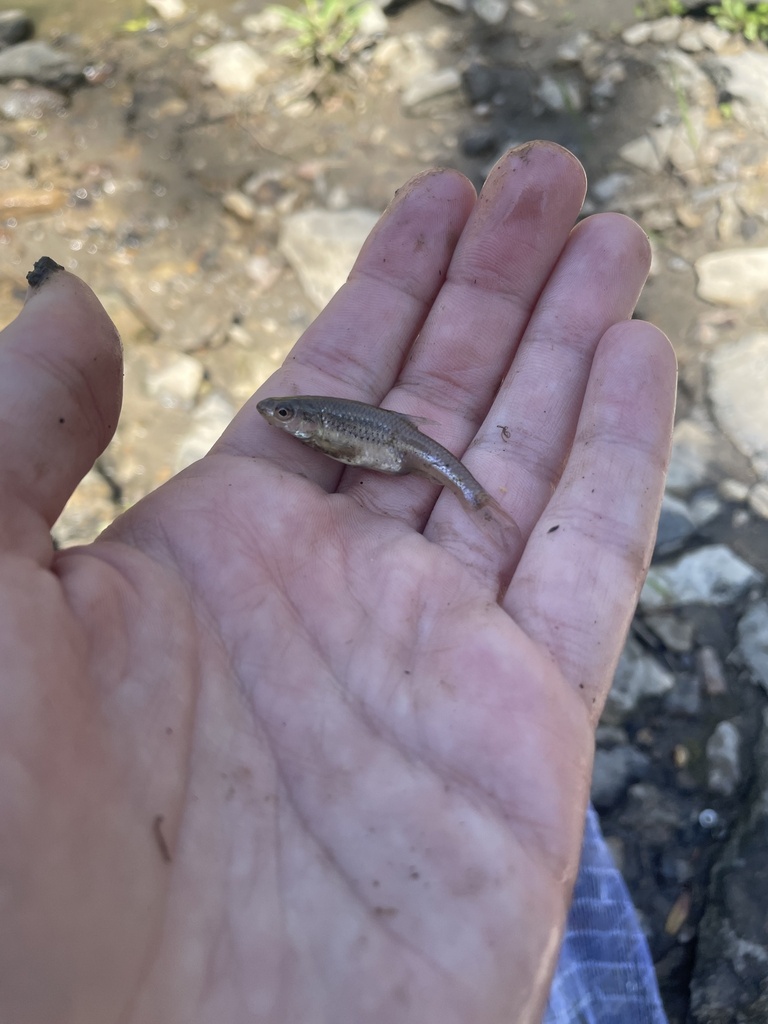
(356, 346)
(60, 393)
(520, 451)
(595, 536)
(506, 253)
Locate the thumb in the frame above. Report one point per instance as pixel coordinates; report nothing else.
(60, 396)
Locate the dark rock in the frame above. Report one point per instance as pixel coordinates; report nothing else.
(480, 83)
(730, 975)
(614, 771)
(675, 526)
(481, 143)
(40, 63)
(15, 27)
(684, 698)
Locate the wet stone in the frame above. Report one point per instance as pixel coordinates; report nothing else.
(15, 27)
(480, 83)
(234, 67)
(733, 277)
(40, 63)
(738, 383)
(491, 12)
(711, 575)
(321, 247)
(753, 641)
(723, 770)
(34, 101)
(614, 772)
(638, 675)
(684, 699)
(430, 85)
(675, 632)
(675, 526)
(710, 669)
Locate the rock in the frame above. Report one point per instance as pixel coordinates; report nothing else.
(753, 641)
(572, 50)
(723, 772)
(675, 632)
(684, 699)
(322, 246)
(733, 490)
(606, 190)
(429, 85)
(40, 63)
(703, 508)
(694, 446)
(728, 980)
(169, 10)
(665, 30)
(560, 93)
(234, 68)
(648, 152)
(675, 526)
(209, 421)
(690, 40)
(89, 511)
(32, 101)
(239, 205)
(492, 12)
(638, 675)
(480, 83)
(174, 379)
(15, 27)
(711, 575)
(733, 277)
(482, 142)
(459, 6)
(743, 76)
(637, 34)
(372, 24)
(758, 500)
(710, 669)
(738, 379)
(713, 37)
(526, 8)
(614, 772)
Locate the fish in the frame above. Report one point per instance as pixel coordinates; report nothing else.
(363, 435)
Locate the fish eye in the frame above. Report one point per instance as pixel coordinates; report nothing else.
(283, 412)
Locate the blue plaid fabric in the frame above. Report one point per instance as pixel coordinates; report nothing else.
(605, 974)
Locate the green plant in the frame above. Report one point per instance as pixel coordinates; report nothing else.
(750, 20)
(322, 29)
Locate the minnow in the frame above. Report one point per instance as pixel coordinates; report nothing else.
(363, 435)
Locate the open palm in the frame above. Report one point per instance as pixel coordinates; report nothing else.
(297, 743)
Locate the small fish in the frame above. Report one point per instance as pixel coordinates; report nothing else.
(363, 435)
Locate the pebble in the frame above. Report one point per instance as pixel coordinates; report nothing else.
(239, 205)
(733, 277)
(753, 640)
(169, 10)
(738, 384)
(38, 62)
(665, 30)
(560, 93)
(758, 500)
(710, 575)
(480, 83)
(733, 490)
(710, 668)
(722, 750)
(703, 508)
(208, 422)
(637, 34)
(694, 445)
(15, 27)
(429, 85)
(17, 104)
(234, 67)
(675, 526)
(492, 12)
(676, 632)
(638, 675)
(613, 773)
(321, 247)
(175, 378)
(459, 6)
(744, 76)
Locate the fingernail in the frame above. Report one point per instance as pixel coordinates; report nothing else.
(43, 269)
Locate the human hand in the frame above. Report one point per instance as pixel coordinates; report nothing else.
(297, 743)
